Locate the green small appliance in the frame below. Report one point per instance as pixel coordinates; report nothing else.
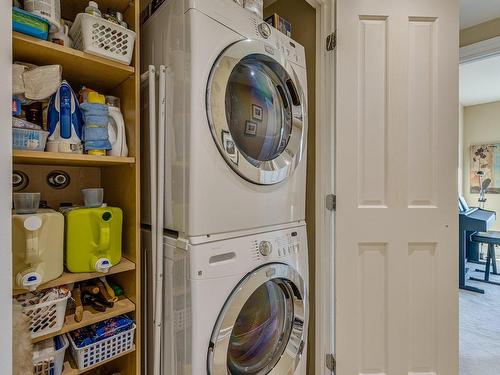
(93, 238)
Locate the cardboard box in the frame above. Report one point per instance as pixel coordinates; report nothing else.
(280, 23)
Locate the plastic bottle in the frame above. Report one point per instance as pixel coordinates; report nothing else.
(93, 9)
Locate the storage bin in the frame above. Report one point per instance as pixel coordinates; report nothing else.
(46, 317)
(103, 38)
(51, 363)
(30, 24)
(103, 350)
(28, 139)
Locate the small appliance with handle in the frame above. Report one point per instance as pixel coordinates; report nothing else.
(64, 121)
(93, 238)
(38, 248)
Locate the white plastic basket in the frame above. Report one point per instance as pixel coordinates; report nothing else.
(51, 363)
(103, 38)
(103, 350)
(47, 317)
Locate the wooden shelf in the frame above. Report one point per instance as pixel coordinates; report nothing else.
(91, 316)
(70, 367)
(58, 158)
(68, 278)
(78, 67)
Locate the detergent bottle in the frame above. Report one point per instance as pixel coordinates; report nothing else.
(38, 248)
(116, 128)
(64, 121)
(93, 238)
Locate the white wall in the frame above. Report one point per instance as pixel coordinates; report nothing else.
(481, 125)
(5, 188)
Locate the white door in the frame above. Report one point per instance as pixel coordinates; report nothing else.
(396, 170)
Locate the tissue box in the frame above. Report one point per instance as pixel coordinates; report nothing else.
(280, 23)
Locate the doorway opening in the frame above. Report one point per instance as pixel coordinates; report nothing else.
(297, 19)
(479, 187)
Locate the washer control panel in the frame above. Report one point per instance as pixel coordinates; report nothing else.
(288, 244)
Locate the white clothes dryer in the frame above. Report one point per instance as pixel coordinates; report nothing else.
(236, 306)
(236, 118)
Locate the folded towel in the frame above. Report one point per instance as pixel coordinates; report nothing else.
(95, 130)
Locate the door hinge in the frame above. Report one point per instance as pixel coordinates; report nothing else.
(331, 41)
(331, 362)
(331, 202)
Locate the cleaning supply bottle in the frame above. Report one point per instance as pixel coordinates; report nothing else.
(116, 128)
(93, 9)
(93, 238)
(61, 37)
(37, 247)
(64, 121)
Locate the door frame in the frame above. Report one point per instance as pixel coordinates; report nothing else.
(6, 189)
(325, 164)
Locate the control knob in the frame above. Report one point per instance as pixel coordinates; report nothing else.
(265, 30)
(265, 248)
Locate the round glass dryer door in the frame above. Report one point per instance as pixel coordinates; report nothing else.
(262, 327)
(255, 109)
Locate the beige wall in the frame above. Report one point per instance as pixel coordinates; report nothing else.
(460, 148)
(303, 19)
(481, 125)
(474, 34)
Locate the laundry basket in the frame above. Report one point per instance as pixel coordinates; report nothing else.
(103, 350)
(103, 38)
(51, 363)
(46, 317)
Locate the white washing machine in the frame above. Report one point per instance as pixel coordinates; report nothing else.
(236, 118)
(236, 306)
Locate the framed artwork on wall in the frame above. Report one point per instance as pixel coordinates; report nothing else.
(485, 159)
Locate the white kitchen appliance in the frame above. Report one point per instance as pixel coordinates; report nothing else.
(233, 118)
(234, 305)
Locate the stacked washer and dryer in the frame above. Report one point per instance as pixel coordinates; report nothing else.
(224, 177)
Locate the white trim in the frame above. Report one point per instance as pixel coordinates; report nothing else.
(480, 50)
(325, 138)
(316, 3)
(6, 189)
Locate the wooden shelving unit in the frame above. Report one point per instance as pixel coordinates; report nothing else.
(119, 176)
(68, 277)
(56, 158)
(91, 316)
(77, 66)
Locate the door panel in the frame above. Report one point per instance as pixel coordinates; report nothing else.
(396, 165)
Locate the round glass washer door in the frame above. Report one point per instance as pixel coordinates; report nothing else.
(262, 327)
(255, 109)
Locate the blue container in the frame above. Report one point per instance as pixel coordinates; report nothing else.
(30, 24)
(27, 139)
